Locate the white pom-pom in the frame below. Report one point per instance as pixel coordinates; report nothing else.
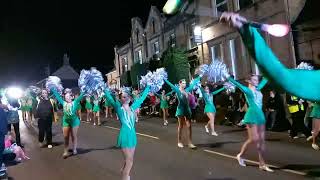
(202, 70)
(217, 71)
(305, 66)
(155, 80)
(91, 81)
(230, 88)
(125, 89)
(197, 85)
(34, 89)
(54, 82)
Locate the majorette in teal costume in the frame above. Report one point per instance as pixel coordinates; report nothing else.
(127, 136)
(88, 105)
(96, 105)
(183, 108)
(163, 100)
(254, 114)
(208, 99)
(70, 118)
(315, 113)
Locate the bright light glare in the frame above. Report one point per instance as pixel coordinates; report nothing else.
(15, 92)
(171, 6)
(197, 31)
(277, 30)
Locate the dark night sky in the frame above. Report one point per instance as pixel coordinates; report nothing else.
(34, 34)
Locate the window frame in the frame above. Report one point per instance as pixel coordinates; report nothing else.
(216, 6)
(156, 48)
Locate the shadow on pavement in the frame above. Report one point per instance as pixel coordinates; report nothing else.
(6, 178)
(273, 139)
(233, 131)
(221, 179)
(313, 170)
(85, 151)
(216, 145)
(57, 144)
(11, 163)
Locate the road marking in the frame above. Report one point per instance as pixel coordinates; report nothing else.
(141, 134)
(257, 163)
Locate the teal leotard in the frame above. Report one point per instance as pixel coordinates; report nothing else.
(96, 105)
(183, 108)
(315, 113)
(208, 99)
(70, 118)
(88, 103)
(163, 100)
(127, 137)
(107, 103)
(254, 114)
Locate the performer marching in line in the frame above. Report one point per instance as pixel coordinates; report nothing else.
(108, 108)
(315, 114)
(210, 109)
(135, 95)
(164, 105)
(88, 108)
(79, 114)
(24, 108)
(127, 139)
(254, 119)
(70, 120)
(183, 112)
(96, 110)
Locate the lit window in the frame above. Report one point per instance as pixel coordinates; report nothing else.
(138, 57)
(216, 52)
(244, 3)
(124, 64)
(172, 40)
(221, 6)
(233, 56)
(192, 42)
(156, 48)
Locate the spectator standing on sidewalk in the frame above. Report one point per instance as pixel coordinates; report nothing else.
(3, 132)
(297, 111)
(44, 112)
(13, 119)
(271, 110)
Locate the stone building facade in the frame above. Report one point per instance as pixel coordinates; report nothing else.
(217, 41)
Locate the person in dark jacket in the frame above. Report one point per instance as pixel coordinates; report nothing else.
(44, 113)
(13, 119)
(271, 110)
(3, 132)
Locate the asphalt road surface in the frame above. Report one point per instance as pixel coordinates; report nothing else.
(158, 157)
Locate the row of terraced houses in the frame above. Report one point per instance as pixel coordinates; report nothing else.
(150, 39)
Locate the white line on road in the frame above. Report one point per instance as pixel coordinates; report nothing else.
(257, 163)
(141, 134)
